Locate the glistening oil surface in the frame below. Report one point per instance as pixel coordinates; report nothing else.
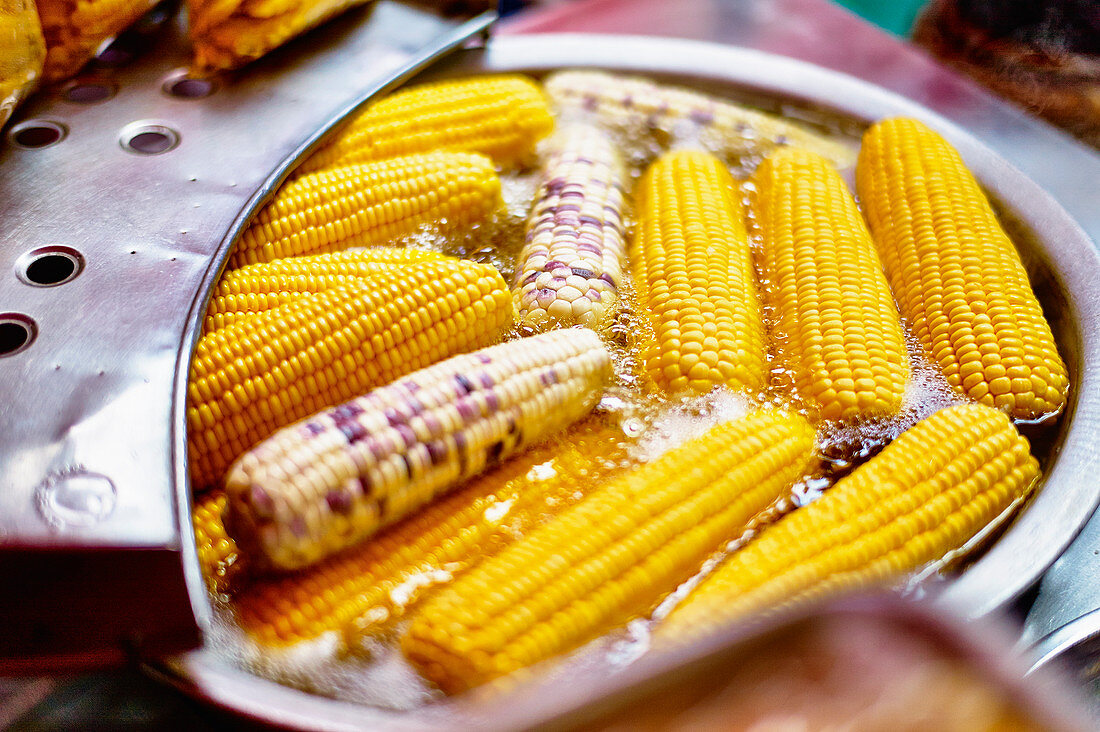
(366, 665)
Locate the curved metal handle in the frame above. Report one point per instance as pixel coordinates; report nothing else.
(1063, 624)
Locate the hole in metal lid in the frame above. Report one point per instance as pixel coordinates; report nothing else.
(189, 87)
(89, 92)
(16, 333)
(115, 53)
(51, 269)
(140, 37)
(150, 143)
(49, 266)
(157, 16)
(36, 133)
(148, 138)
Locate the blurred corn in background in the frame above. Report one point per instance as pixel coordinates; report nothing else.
(75, 30)
(22, 52)
(228, 35)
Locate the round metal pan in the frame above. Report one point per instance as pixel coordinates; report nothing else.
(1065, 269)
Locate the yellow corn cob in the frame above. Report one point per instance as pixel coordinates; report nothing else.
(229, 34)
(630, 106)
(218, 555)
(501, 117)
(255, 288)
(693, 272)
(957, 277)
(266, 371)
(841, 335)
(363, 205)
(571, 265)
(22, 52)
(925, 494)
(610, 557)
(331, 481)
(363, 590)
(74, 30)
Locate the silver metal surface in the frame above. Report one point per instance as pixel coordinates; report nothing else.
(92, 444)
(1064, 264)
(1064, 622)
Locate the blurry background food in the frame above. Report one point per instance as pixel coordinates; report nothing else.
(21, 53)
(1042, 54)
(863, 665)
(74, 30)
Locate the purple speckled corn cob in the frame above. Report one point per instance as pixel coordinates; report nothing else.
(571, 265)
(630, 105)
(329, 481)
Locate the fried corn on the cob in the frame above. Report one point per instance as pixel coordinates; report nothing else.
(693, 273)
(360, 592)
(371, 204)
(74, 30)
(330, 481)
(22, 53)
(501, 117)
(571, 265)
(632, 105)
(956, 274)
(273, 368)
(841, 336)
(612, 556)
(227, 34)
(925, 494)
(256, 288)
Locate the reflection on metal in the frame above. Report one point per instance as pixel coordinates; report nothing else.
(1065, 618)
(1064, 265)
(144, 190)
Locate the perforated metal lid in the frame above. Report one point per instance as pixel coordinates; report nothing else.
(121, 193)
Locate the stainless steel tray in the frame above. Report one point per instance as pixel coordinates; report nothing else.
(1064, 264)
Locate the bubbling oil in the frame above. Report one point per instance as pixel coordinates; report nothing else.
(649, 425)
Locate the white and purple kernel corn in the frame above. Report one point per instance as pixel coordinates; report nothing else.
(571, 265)
(330, 481)
(631, 106)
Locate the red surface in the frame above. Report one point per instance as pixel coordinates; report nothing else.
(817, 31)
